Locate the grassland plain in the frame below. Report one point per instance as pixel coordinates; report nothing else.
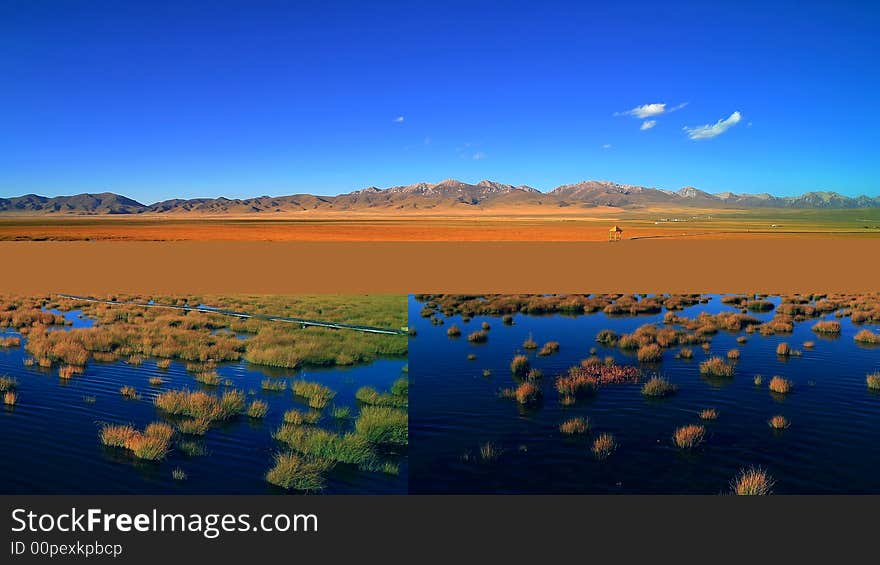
(516, 224)
(161, 389)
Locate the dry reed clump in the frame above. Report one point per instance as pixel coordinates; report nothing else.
(520, 365)
(10, 342)
(298, 418)
(577, 384)
(607, 337)
(479, 336)
(758, 380)
(530, 343)
(274, 385)
(827, 327)
(778, 422)
(257, 409)
(604, 446)
(453, 331)
(549, 348)
(866, 336)
(780, 385)
(178, 474)
(809, 344)
(7, 383)
(296, 472)
(383, 425)
(10, 398)
(575, 426)
(194, 426)
(873, 381)
(528, 394)
(686, 353)
(507, 320)
(752, 481)
(690, 436)
(69, 371)
(783, 350)
(317, 395)
(650, 353)
(156, 381)
(717, 367)
(709, 414)
(490, 452)
(733, 354)
(201, 405)
(208, 377)
(163, 363)
(658, 387)
(152, 444)
(129, 393)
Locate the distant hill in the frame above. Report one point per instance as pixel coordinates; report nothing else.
(448, 195)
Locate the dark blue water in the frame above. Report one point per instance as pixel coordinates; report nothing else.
(49, 441)
(832, 446)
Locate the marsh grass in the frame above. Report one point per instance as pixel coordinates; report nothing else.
(686, 353)
(209, 377)
(10, 398)
(689, 436)
(520, 366)
(163, 364)
(178, 474)
(733, 354)
(298, 418)
(873, 381)
(129, 393)
(317, 395)
(827, 327)
(318, 443)
(868, 337)
(658, 387)
(650, 353)
(528, 394)
(709, 414)
(717, 367)
(152, 444)
(194, 426)
(809, 344)
(778, 422)
(604, 446)
(7, 383)
(273, 385)
(758, 380)
(156, 381)
(530, 343)
(490, 452)
(751, 482)
(453, 331)
(479, 336)
(10, 342)
(573, 426)
(383, 425)
(780, 385)
(369, 395)
(549, 348)
(295, 472)
(257, 409)
(340, 412)
(783, 350)
(201, 405)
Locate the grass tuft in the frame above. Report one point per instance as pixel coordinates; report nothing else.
(753, 481)
(690, 436)
(658, 387)
(575, 426)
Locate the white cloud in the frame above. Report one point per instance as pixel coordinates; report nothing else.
(606, 146)
(679, 107)
(648, 124)
(709, 131)
(644, 111)
(479, 156)
(398, 120)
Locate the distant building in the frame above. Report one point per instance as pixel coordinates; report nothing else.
(615, 234)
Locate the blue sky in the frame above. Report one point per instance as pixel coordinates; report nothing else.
(242, 98)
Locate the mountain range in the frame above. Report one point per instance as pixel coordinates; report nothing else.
(446, 195)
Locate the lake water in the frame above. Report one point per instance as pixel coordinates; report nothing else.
(832, 446)
(50, 441)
